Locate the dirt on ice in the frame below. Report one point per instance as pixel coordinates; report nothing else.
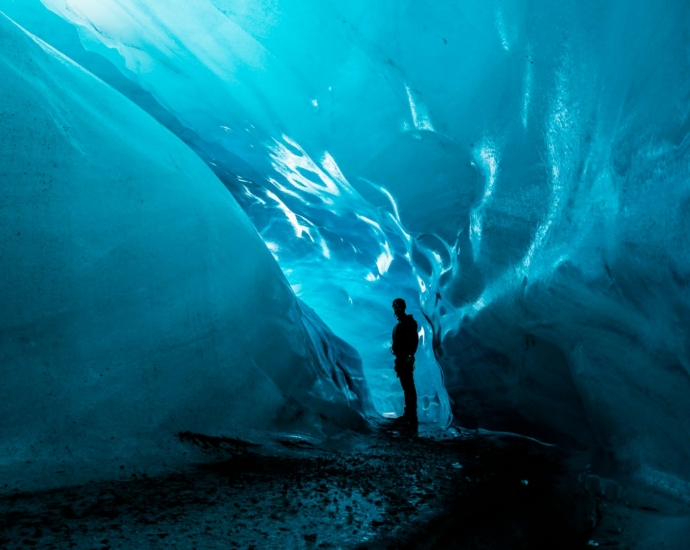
(396, 489)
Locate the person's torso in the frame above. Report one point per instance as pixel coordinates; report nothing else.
(405, 336)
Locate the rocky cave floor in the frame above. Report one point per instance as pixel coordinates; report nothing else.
(431, 489)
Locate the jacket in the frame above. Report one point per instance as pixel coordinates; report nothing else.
(405, 338)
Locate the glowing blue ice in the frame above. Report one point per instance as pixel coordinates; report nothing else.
(518, 169)
(138, 301)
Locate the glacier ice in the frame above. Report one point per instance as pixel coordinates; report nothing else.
(138, 299)
(520, 167)
(270, 174)
(318, 255)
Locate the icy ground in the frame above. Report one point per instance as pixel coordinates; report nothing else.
(390, 490)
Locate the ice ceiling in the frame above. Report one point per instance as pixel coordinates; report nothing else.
(517, 171)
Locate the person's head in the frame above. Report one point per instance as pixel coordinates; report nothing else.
(399, 306)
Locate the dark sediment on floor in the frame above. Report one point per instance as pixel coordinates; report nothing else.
(400, 490)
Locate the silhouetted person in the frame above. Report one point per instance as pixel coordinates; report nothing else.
(405, 342)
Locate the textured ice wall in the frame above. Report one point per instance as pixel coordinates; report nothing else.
(538, 154)
(344, 256)
(138, 301)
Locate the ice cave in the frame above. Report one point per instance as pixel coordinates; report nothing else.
(207, 208)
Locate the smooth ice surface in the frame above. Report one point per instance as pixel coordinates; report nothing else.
(138, 300)
(522, 167)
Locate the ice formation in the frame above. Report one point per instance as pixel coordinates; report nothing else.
(346, 257)
(520, 168)
(135, 291)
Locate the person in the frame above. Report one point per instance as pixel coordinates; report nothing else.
(405, 342)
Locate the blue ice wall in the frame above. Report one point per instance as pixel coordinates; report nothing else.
(138, 301)
(520, 166)
(345, 257)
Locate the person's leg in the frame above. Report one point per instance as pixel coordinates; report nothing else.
(407, 383)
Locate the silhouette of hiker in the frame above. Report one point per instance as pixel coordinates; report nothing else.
(405, 342)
